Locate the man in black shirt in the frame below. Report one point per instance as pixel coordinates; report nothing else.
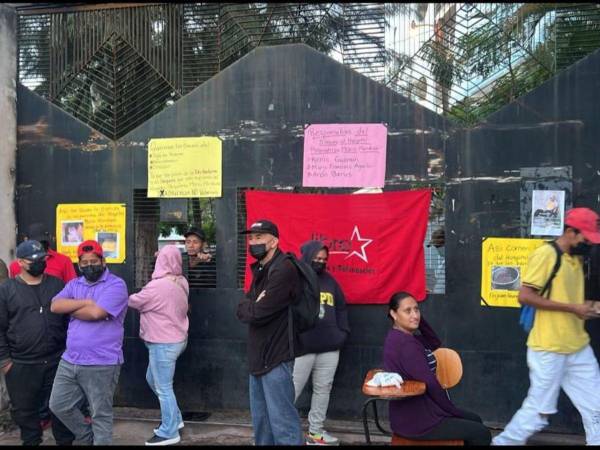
(198, 265)
(32, 340)
(275, 285)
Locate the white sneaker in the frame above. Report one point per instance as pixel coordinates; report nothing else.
(179, 427)
(322, 438)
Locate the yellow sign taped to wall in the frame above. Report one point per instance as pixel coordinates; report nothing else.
(102, 222)
(184, 167)
(503, 262)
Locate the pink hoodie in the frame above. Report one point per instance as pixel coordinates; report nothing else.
(163, 302)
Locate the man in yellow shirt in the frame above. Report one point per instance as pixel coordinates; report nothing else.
(559, 354)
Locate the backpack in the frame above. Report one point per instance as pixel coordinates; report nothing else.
(527, 315)
(304, 312)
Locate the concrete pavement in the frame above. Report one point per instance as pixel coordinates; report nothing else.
(133, 426)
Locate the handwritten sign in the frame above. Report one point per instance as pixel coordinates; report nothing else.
(102, 222)
(345, 155)
(503, 262)
(184, 167)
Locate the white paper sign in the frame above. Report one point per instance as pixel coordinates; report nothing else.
(547, 213)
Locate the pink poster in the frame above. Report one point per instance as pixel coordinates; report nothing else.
(344, 155)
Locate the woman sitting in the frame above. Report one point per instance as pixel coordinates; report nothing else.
(430, 416)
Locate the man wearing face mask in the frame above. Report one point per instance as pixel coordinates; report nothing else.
(275, 285)
(559, 353)
(90, 366)
(320, 346)
(32, 340)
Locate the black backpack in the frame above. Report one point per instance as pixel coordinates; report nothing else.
(304, 312)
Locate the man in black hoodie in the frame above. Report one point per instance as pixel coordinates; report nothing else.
(320, 346)
(32, 340)
(275, 284)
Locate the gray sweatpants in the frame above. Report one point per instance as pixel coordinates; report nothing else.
(96, 383)
(323, 367)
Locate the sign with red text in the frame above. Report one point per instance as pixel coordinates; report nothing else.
(344, 155)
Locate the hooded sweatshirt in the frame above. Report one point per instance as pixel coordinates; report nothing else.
(332, 328)
(163, 302)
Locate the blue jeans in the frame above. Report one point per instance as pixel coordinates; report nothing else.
(275, 419)
(160, 373)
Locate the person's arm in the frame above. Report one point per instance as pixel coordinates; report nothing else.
(409, 360)
(529, 295)
(5, 357)
(141, 299)
(428, 337)
(82, 309)
(113, 300)
(90, 313)
(539, 268)
(282, 283)
(69, 305)
(341, 310)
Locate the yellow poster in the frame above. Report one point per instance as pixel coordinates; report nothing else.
(184, 167)
(102, 222)
(503, 261)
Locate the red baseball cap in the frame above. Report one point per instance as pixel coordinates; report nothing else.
(586, 221)
(90, 247)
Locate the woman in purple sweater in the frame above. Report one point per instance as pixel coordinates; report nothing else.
(430, 416)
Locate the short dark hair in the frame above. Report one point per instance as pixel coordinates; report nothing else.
(395, 301)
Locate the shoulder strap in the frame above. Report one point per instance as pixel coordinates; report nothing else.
(548, 285)
(290, 313)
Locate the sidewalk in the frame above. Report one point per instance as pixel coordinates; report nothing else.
(133, 426)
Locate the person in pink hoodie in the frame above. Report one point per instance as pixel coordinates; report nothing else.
(163, 307)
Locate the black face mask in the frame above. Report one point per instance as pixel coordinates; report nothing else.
(258, 251)
(36, 268)
(581, 249)
(318, 266)
(93, 272)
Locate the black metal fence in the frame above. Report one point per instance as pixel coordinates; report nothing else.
(113, 67)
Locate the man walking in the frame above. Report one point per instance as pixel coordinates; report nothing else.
(559, 354)
(31, 341)
(90, 366)
(275, 282)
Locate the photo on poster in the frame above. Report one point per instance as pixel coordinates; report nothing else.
(507, 278)
(71, 232)
(547, 213)
(109, 241)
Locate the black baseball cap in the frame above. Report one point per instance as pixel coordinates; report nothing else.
(196, 231)
(30, 249)
(263, 226)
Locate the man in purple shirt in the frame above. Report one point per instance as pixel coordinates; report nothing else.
(91, 363)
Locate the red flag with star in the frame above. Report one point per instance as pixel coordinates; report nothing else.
(375, 240)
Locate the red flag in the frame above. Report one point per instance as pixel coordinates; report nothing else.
(375, 240)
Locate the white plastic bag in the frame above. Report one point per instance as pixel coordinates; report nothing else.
(386, 379)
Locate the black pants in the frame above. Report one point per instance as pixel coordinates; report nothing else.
(28, 385)
(470, 429)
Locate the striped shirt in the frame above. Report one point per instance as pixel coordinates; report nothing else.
(431, 361)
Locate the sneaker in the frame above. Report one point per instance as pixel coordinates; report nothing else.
(322, 438)
(157, 440)
(179, 427)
